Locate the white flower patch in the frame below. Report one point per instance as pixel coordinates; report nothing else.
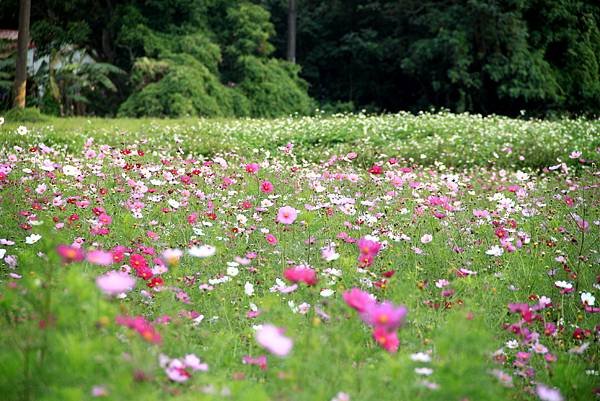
(32, 239)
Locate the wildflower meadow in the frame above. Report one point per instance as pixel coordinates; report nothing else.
(434, 256)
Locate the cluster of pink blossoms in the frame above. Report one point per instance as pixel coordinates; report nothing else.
(180, 369)
(384, 317)
(74, 253)
(368, 250)
(142, 326)
(301, 274)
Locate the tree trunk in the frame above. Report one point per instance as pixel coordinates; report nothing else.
(20, 87)
(291, 39)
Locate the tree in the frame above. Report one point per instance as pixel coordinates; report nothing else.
(291, 37)
(20, 88)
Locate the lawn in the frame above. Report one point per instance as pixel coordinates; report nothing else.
(395, 257)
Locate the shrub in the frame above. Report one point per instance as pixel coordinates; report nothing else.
(28, 114)
(273, 86)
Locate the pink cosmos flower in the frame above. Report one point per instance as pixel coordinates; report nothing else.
(384, 315)
(192, 218)
(252, 168)
(176, 371)
(287, 215)
(481, 213)
(271, 239)
(105, 219)
(357, 299)
(272, 339)
(301, 273)
(329, 254)
(70, 254)
(193, 362)
(266, 187)
(115, 282)
(387, 340)
(426, 238)
(98, 257)
(368, 247)
(137, 261)
(260, 361)
(142, 326)
(376, 170)
(548, 394)
(172, 256)
(99, 391)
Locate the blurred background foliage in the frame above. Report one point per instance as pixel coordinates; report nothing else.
(226, 57)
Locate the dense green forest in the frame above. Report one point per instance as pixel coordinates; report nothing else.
(227, 57)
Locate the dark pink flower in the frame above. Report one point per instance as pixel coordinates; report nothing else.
(266, 187)
(387, 340)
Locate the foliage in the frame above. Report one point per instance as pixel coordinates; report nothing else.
(185, 91)
(479, 55)
(540, 57)
(26, 115)
(273, 87)
(70, 75)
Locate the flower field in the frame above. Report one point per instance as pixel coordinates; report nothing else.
(398, 257)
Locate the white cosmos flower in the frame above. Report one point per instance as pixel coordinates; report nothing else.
(249, 289)
(563, 284)
(233, 271)
(495, 251)
(588, 299)
(1, 120)
(22, 130)
(241, 219)
(32, 239)
(71, 171)
(203, 251)
(173, 203)
(327, 292)
(420, 357)
(424, 371)
(222, 162)
(426, 238)
(47, 165)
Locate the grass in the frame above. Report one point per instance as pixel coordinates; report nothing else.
(58, 332)
(459, 140)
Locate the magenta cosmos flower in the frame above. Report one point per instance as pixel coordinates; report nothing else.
(271, 239)
(266, 187)
(301, 273)
(287, 215)
(252, 168)
(388, 340)
(384, 315)
(358, 300)
(115, 283)
(272, 339)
